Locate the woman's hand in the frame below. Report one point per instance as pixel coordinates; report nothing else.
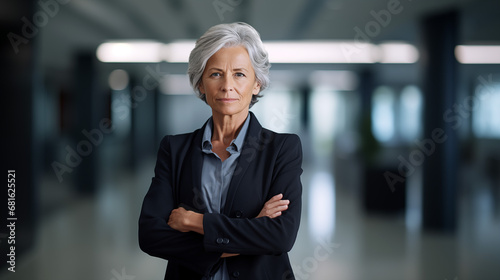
(183, 220)
(274, 207)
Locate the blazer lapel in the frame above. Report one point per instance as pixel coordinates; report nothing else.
(190, 186)
(248, 153)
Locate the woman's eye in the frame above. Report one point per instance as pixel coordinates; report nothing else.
(240, 75)
(215, 74)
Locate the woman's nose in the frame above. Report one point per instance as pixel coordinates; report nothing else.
(228, 84)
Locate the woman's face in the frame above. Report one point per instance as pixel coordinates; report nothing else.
(228, 81)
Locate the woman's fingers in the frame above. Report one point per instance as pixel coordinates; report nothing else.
(276, 197)
(277, 204)
(274, 207)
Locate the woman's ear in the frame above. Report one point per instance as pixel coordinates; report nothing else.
(256, 89)
(200, 88)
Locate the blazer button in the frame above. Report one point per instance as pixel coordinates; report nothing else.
(236, 274)
(225, 241)
(219, 240)
(238, 214)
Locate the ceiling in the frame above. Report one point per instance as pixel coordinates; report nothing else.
(81, 25)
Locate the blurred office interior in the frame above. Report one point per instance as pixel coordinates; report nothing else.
(396, 103)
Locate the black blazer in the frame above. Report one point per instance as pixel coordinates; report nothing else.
(269, 164)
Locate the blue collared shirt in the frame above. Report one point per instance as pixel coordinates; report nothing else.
(216, 176)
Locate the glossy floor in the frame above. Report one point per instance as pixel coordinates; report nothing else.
(96, 238)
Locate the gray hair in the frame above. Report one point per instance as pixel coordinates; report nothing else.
(229, 35)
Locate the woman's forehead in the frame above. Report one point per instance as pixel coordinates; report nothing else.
(233, 57)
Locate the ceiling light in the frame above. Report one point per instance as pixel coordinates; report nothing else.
(118, 79)
(178, 51)
(130, 51)
(478, 54)
(313, 52)
(397, 53)
(319, 52)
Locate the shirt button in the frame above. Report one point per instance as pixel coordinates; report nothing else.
(219, 240)
(238, 214)
(236, 274)
(225, 241)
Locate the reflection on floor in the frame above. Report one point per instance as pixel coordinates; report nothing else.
(97, 238)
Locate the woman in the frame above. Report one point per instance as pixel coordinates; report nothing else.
(225, 200)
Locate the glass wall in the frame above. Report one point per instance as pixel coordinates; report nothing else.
(486, 114)
(397, 114)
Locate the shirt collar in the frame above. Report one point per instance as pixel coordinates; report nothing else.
(206, 142)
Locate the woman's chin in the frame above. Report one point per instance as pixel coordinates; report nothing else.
(228, 110)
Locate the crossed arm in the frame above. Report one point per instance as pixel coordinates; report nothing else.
(185, 221)
(174, 233)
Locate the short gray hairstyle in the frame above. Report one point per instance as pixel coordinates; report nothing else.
(229, 35)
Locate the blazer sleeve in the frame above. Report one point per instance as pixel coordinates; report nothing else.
(263, 235)
(156, 237)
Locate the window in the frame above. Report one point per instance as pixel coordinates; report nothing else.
(397, 115)
(410, 113)
(383, 105)
(486, 114)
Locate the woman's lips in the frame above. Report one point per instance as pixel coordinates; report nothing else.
(227, 100)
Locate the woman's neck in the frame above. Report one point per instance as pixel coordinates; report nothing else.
(227, 127)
